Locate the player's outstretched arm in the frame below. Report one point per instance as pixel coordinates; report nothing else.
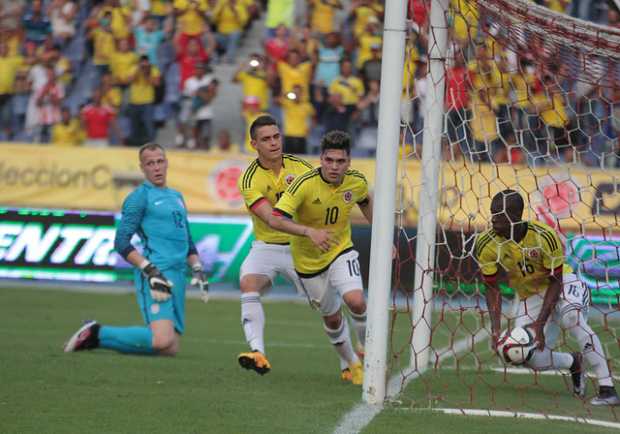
(366, 207)
(552, 295)
(494, 304)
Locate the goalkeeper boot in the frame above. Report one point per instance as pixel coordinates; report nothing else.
(578, 375)
(346, 375)
(357, 373)
(607, 395)
(255, 360)
(86, 338)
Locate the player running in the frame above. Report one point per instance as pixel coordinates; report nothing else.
(316, 209)
(532, 255)
(261, 185)
(159, 216)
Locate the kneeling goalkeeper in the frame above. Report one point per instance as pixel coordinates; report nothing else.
(158, 215)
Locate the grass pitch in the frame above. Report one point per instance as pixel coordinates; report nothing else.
(203, 390)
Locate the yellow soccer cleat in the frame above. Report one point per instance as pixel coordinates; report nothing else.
(255, 360)
(357, 373)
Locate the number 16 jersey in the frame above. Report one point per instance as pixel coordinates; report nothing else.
(312, 201)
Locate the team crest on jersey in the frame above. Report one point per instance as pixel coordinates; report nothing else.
(347, 196)
(289, 179)
(532, 253)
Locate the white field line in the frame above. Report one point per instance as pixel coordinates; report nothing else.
(517, 371)
(519, 414)
(362, 414)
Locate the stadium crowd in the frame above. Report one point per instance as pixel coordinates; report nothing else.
(113, 72)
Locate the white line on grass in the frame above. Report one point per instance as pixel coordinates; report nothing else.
(520, 414)
(518, 371)
(362, 414)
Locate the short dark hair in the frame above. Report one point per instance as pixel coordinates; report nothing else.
(336, 139)
(150, 146)
(511, 202)
(261, 121)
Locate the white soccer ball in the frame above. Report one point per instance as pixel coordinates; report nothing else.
(516, 346)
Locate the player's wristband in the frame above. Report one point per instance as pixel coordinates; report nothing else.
(144, 264)
(197, 268)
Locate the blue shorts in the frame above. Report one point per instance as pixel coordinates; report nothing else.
(173, 309)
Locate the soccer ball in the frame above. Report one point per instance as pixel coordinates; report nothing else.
(516, 346)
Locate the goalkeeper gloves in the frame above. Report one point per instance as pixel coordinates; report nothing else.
(159, 285)
(199, 280)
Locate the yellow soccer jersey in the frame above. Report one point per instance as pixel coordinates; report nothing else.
(258, 183)
(314, 202)
(527, 263)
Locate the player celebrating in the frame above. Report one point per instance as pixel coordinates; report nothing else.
(316, 208)
(262, 183)
(531, 254)
(159, 217)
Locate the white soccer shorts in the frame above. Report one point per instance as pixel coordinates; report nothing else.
(270, 260)
(575, 296)
(325, 290)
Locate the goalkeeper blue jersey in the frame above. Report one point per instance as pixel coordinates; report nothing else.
(159, 217)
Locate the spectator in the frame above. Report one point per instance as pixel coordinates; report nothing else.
(371, 37)
(332, 112)
(9, 66)
(223, 146)
(483, 126)
(322, 15)
(191, 20)
(36, 23)
(371, 69)
(295, 73)
(148, 39)
(47, 99)
(368, 107)
(123, 63)
(252, 76)
(189, 57)
(191, 88)
(103, 43)
(348, 86)
(67, 132)
(203, 114)
(279, 12)
(457, 103)
(229, 17)
(111, 95)
(298, 116)
(98, 121)
(120, 18)
(250, 111)
(276, 48)
(161, 10)
(327, 60)
(141, 102)
(361, 12)
(19, 104)
(11, 12)
(62, 16)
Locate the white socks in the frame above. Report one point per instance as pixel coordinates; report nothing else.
(253, 320)
(341, 340)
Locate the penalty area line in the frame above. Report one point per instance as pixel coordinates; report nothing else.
(518, 415)
(362, 414)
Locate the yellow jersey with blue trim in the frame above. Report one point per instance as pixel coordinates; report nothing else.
(312, 201)
(528, 263)
(258, 183)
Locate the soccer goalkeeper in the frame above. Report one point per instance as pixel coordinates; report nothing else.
(158, 215)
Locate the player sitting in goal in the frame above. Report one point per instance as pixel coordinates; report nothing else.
(532, 256)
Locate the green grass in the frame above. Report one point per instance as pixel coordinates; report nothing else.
(203, 390)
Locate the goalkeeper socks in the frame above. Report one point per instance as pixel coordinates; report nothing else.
(590, 344)
(359, 324)
(341, 340)
(253, 320)
(129, 340)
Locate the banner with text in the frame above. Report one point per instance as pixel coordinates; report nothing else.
(100, 179)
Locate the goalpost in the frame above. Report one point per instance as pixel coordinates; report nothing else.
(516, 96)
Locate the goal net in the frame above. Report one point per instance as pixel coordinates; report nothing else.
(532, 103)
